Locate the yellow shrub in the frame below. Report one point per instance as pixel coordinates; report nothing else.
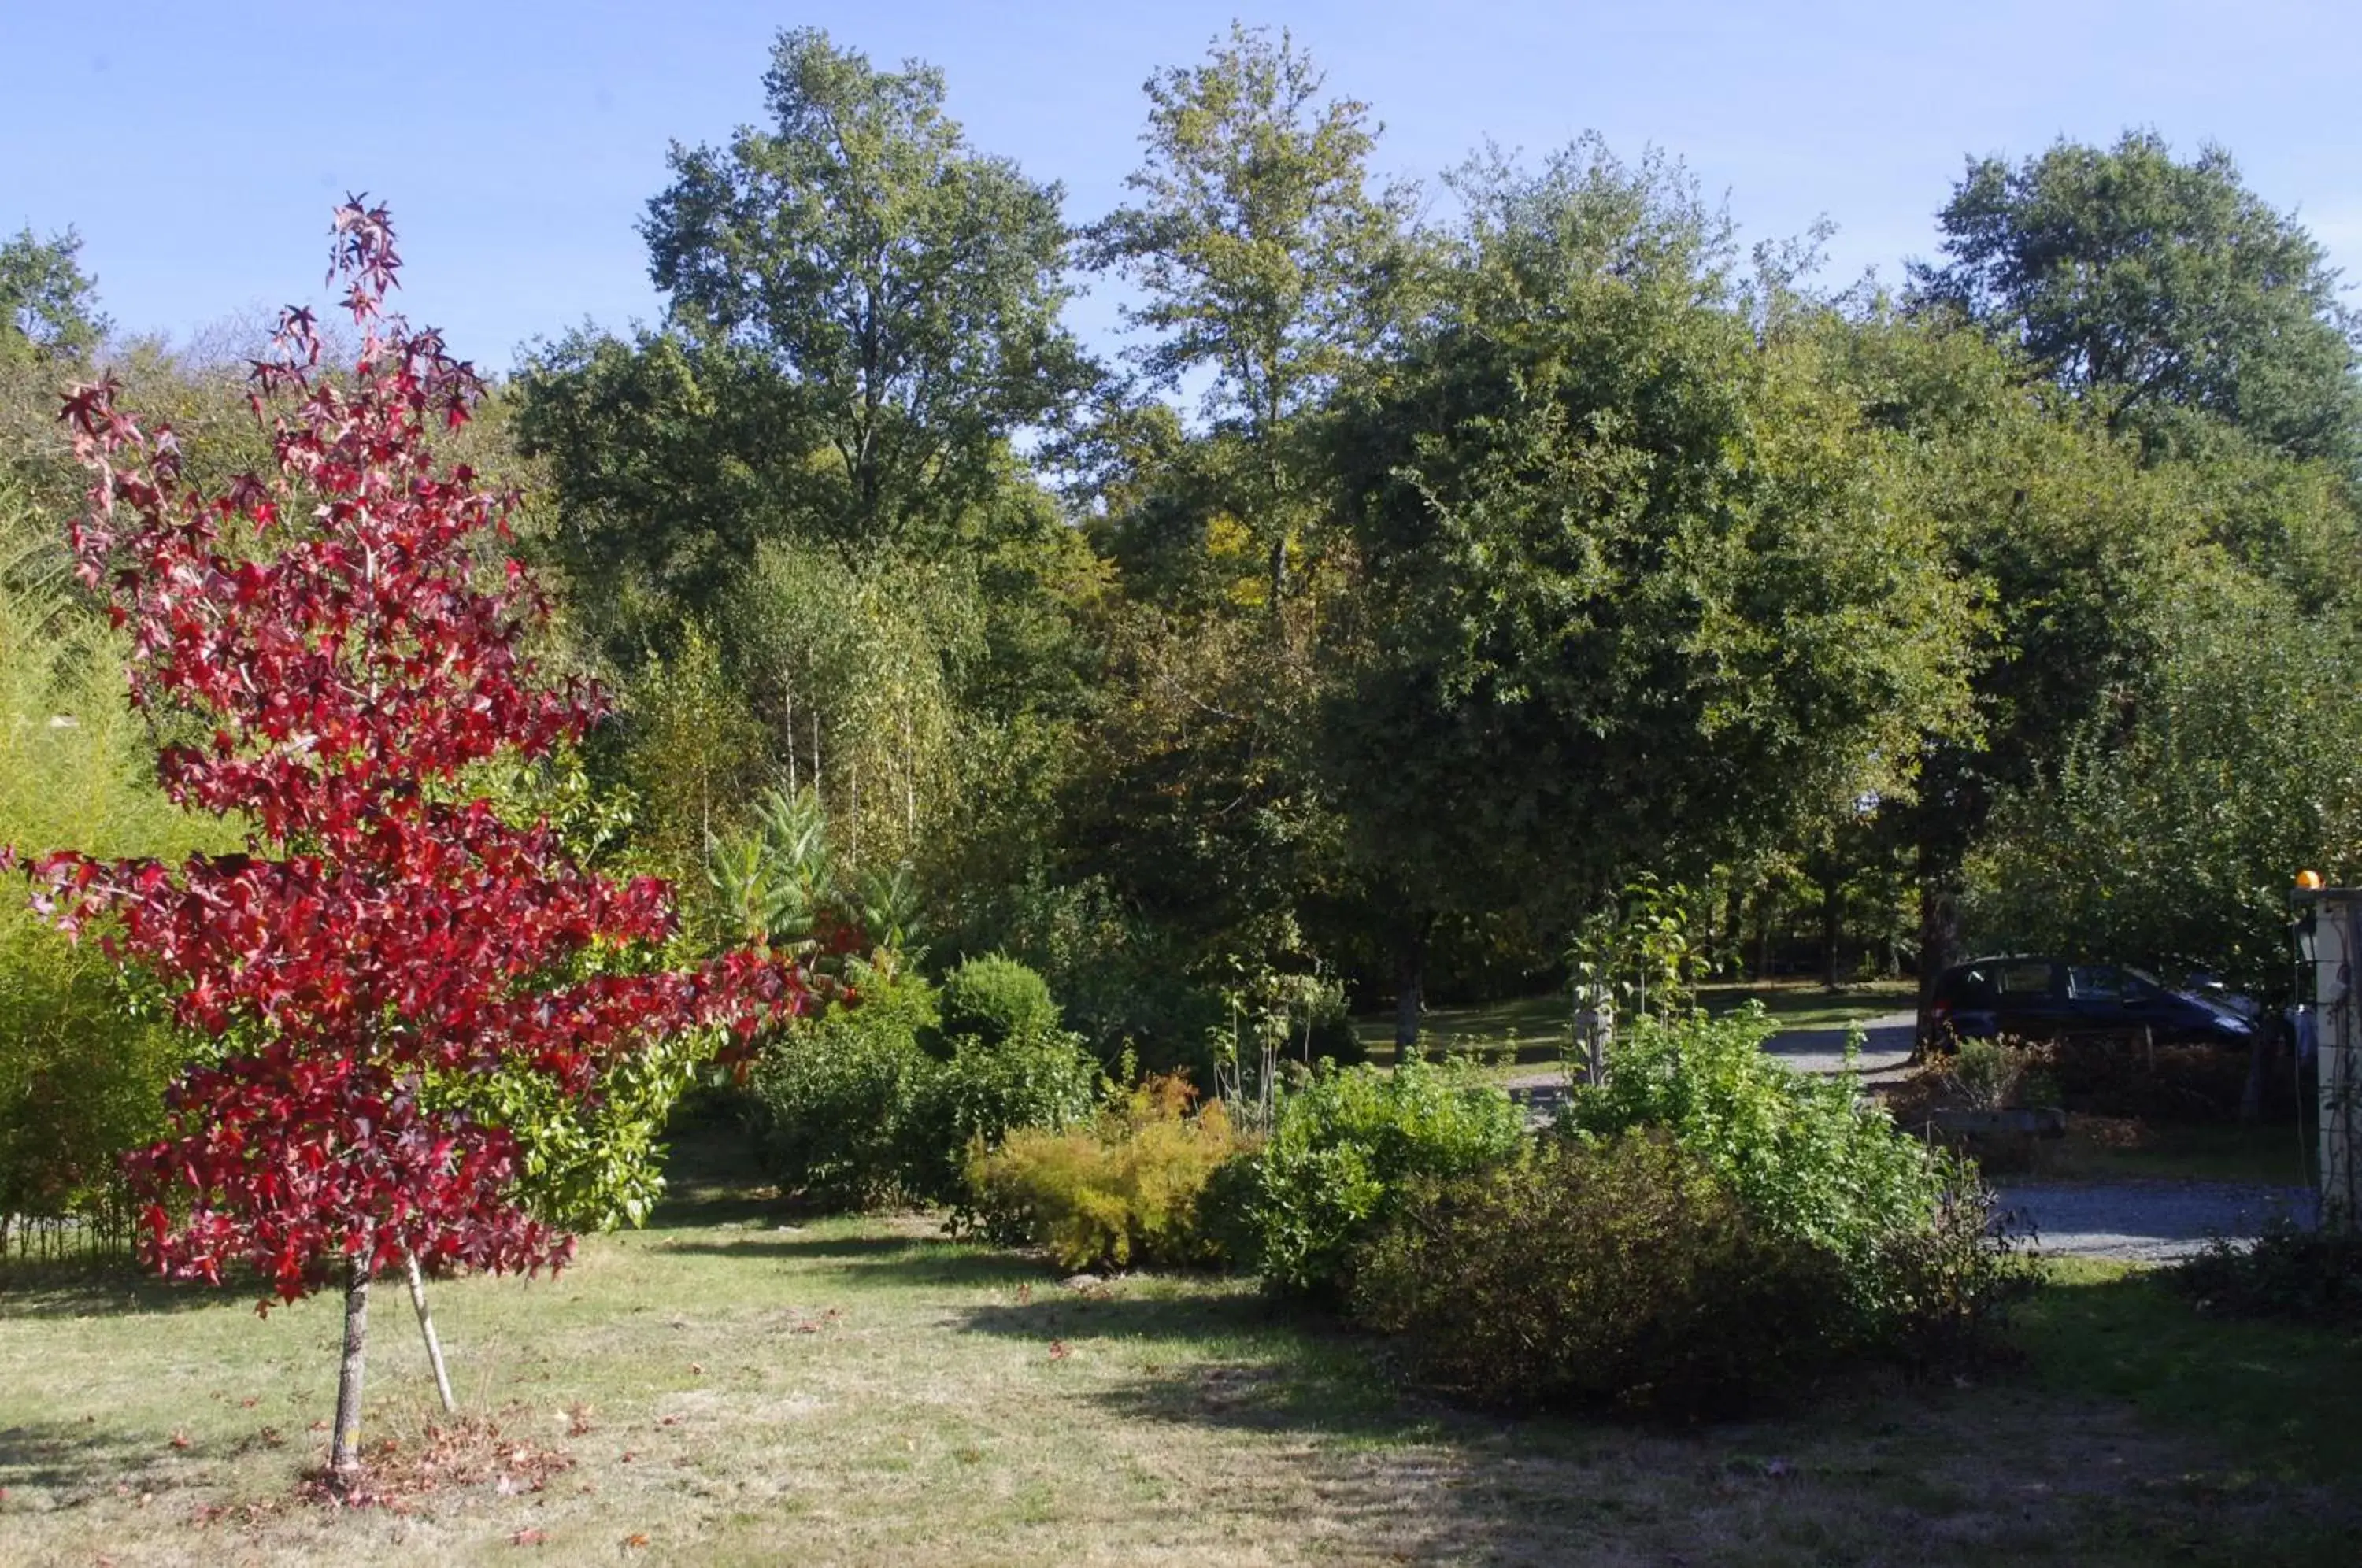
(1124, 1190)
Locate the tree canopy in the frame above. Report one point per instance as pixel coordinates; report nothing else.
(2154, 286)
(48, 307)
(903, 288)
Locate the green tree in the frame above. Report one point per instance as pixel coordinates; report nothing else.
(82, 1064)
(48, 304)
(668, 463)
(1263, 258)
(902, 288)
(2081, 550)
(694, 758)
(2173, 823)
(2157, 288)
(1639, 589)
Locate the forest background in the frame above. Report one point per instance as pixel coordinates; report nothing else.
(1413, 572)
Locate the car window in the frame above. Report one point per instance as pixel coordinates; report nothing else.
(2095, 983)
(2140, 987)
(2024, 978)
(1967, 987)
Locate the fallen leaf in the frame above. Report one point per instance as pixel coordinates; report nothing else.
(249, 1403)
(527, 1538)
(633, 1542)
(697, 1369)
(180, 1439)
(1059, 1350)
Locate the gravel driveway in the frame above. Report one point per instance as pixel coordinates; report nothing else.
(2147, 1221)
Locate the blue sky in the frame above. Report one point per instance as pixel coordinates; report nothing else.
(199, 146)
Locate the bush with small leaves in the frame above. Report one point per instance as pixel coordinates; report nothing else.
(995, 998)
(1035, 1077)
(830, 1099)
(1343, 1148)
(1805, 1154)
(1126, 1190)
(1622, 1273)
(2288, 1272)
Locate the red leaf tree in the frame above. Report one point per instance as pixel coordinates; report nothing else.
(324, 653)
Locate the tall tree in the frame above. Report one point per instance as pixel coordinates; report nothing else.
(1261, 250)
(1637, 586)
(667, 462)
(48, 304)
(2171, 823)
(2155, 287)
(326, 658)
(903, 288)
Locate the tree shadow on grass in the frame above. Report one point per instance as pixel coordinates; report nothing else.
(1275, 1365)
(914, 1259)
(1118, 1313)
(1356, 1462)
(112, 1292)
(59, 1463)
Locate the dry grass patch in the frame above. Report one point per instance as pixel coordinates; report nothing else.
(732, 1391)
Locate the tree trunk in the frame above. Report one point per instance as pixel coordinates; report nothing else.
(1731, 941)
(1940, 938)
(345, 1445)
(1410, 982)
(426, 1330)
(1832, 927)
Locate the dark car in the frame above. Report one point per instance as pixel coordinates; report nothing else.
(2043, 999)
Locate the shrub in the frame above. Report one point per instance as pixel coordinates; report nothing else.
(1985, 1074)
(832, 1096)
(1944, 1288)
(2125, 1075)
(2288, 1272)
(1624, 1272)
(1809, 1161)
(1342, 1150)
(1035, 1078)
(1803, 1154)
(995, 998)
(1127, 1189)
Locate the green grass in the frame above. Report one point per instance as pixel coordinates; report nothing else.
(860, 1391)
(2278, 1396)
(1530, 1032)
(2279, 1152)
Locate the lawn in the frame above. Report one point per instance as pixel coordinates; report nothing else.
(1530, 1032)
(2280, 1154)
(727, 1387)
